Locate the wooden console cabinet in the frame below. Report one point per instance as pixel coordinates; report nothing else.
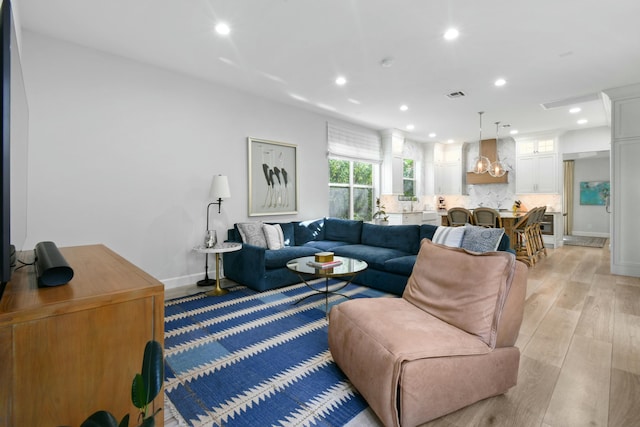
(70, 350)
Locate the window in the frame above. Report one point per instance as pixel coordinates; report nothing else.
(408, 177)
(351, 189)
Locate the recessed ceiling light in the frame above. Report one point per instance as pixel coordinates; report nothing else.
(432, 135)
(403, 107)
(513, 131)
(583, 121)
(410, 127)
(500, 82)
(222, 28)
(451, 34)
(575, 110)
(341, 81)
(449, 141)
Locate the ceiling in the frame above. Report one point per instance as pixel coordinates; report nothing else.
(292, 51)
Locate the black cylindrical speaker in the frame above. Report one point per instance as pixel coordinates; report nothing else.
(51, 267)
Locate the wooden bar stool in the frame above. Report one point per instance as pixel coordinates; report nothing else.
(459, 216)
(487, 217)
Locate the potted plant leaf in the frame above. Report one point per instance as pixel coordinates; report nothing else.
(380, 216)
(145, 388)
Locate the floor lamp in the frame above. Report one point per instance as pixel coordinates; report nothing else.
(219, 190)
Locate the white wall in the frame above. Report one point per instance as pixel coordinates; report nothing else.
(589, 220)
(123, 153)
(585, 140)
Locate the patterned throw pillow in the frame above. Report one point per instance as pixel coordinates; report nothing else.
(481, 239)
(448, 236)
(274, 236)
(252, 234)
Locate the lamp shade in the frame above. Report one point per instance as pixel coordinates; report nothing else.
(220, 188)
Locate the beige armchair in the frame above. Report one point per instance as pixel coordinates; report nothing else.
(447, 343)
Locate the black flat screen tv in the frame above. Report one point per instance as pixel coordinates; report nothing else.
(14, 125)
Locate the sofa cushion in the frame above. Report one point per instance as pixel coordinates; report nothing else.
(402, 237)
(481, 239)
(252, 234)
(325, 245)
(287, 232)
(279, 258)
(464, 289)
(427, 231)
(400, 265)
(273, 235)
(342, 230)
(306, 231)
(373, 255)
(448, 236)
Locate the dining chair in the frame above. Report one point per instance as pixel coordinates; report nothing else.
(459, 216)
(487, 217)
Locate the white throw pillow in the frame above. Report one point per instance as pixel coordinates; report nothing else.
(252, 234)
(274, 236)
(448, 236)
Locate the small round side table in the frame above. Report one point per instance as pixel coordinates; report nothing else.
(217, 250)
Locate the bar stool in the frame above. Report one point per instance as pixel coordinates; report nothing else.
(524, 243)
(459, 216)
(487, 217)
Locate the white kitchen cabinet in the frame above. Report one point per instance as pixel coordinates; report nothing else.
(537, 165)
(405, 218)
(448, 169)
(448, 178)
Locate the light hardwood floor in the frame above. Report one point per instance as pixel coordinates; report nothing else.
(580, 349)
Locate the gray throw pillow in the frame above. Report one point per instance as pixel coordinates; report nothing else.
(252, 234)
(481, 239)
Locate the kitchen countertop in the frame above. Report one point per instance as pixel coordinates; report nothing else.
(504, 214)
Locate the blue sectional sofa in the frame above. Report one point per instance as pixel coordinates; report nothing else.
(390, 252)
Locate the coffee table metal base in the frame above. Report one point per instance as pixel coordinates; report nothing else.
(326, 291)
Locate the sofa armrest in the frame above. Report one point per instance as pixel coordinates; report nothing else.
(246, 266)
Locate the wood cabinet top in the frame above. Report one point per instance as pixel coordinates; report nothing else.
(100, 277)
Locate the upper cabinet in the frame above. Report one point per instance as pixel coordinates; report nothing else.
(537, 165)
(448, 169)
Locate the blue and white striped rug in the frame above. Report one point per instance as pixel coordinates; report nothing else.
(256, 359)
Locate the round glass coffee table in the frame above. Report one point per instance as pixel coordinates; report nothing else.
(349, 268)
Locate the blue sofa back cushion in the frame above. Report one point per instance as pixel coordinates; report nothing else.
(427, 231)
(342, 230)
(405, 238)
(306, 231)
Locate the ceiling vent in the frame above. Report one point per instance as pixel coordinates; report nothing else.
(458, 94)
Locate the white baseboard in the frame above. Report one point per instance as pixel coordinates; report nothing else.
(590, 234)
(192, 279)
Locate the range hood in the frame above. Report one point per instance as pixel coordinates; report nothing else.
(489, 149)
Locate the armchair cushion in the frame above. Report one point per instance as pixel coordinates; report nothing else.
(465, 291)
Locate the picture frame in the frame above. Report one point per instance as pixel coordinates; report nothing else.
(273, 177)
(594, 192)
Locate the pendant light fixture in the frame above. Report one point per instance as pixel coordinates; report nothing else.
(481, 163)
(496, 169)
